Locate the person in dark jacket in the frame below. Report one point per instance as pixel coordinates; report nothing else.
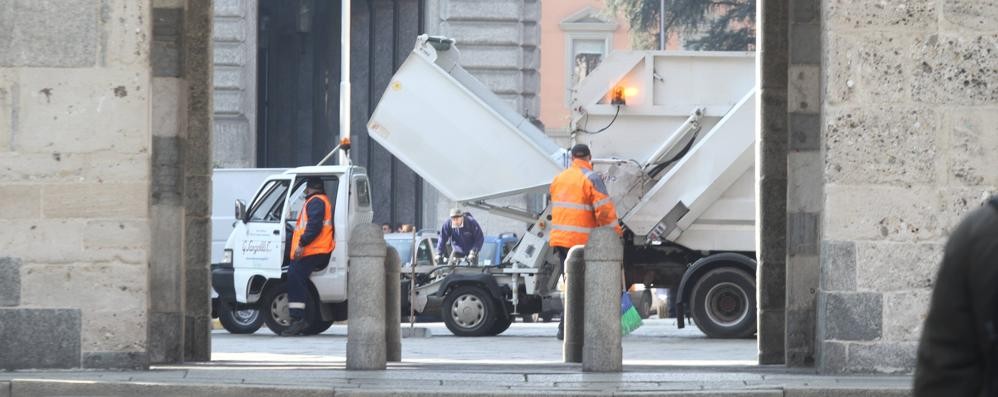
(957, 353)
(464, 234)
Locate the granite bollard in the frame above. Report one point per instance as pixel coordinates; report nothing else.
(393, 306)
(574, 304)
(601, 339)
(366, 299)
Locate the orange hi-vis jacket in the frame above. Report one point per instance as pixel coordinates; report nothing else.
(323, 243)
(580, 203)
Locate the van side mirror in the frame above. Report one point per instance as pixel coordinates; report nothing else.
(241, 210)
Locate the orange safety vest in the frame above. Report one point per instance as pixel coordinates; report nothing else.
(323, 243)
(580, 203)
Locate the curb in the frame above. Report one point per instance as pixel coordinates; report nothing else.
(50, 387)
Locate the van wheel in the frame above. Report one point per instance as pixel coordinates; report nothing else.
(317, 327)
(274, 310)
(469, 311)
(246, 321)
(723, 304)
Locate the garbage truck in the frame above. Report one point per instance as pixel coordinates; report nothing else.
(672, 135)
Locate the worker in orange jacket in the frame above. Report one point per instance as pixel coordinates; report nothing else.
(312, 245)
(580, 203)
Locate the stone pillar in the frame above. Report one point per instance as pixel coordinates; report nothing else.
(771, 177)
(366, 299)
(804, 183)
(602, 350)
(575, 286)
(196, 158)
(166, 259)
(393, 306)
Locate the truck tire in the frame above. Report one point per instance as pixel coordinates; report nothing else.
(642, 302)
(469, 311)
(501, 325)
(723, 303)
(246, 321)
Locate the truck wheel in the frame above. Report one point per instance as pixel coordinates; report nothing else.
(723, 304)
(469, 311)
(246, 321)
(502, 325)
(642, 302)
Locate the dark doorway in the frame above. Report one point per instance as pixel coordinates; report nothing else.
(298, 103)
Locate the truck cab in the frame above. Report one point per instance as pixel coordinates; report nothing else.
(252, 273)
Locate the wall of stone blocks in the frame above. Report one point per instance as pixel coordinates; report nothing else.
(910, 105)
(499, 44)
(235, 80)
(75, 149)
(105, 159)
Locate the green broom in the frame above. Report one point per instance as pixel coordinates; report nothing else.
(630, 320)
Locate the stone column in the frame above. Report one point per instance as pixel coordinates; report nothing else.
(601, 350)
(393, 306)
(804, 182)
(771, 177)
(575, 268)
(366, 299)
(197, 165)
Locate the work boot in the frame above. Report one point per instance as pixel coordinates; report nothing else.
(561, 329)
(295, 328)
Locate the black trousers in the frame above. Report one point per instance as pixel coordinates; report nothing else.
(298, 273)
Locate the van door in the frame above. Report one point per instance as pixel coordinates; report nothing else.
(258, 248)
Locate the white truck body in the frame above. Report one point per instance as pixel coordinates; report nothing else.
(453, 131)
(672, 133)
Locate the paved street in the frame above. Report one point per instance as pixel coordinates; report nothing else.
(657, 342)
(525, 361)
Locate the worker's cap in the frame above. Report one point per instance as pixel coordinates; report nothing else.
(580, 150)
(456, 212)
(314, 182)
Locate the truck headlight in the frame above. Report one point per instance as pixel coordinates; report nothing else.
(227, 257)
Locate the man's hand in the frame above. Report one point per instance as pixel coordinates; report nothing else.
(299, 251)
(438, 259)
(473, 257)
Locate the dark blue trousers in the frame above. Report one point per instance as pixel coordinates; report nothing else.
(298, 274)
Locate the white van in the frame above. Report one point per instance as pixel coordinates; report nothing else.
(250, 274)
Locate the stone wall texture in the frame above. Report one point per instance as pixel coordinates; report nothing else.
(75, 149)
(235, 82)
(908, 138)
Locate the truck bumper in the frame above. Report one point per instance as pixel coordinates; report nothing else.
(223, 283)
